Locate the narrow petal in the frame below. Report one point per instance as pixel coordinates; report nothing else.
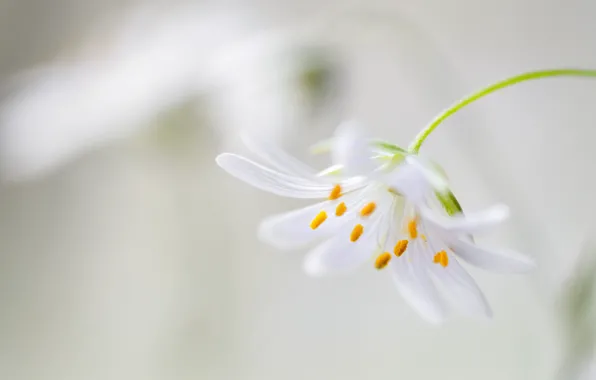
(277, 158)
(278, 183)
(460, 287)
(466, 224)
(414, 284)
(352, 150)
(292, 229)
(499, 261)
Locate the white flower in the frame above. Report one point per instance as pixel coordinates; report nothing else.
(382, 210)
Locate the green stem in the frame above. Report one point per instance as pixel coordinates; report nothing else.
(417, 143)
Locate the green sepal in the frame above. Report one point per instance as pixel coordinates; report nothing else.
(449, 202)
(390, 148)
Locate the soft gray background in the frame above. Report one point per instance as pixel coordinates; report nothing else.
(125, 253)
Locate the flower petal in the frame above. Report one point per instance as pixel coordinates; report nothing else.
(278, 183)
(499, 261)
(351, 149)
(434, 178)
(414, 284)
(292, 229)
(277, 158)
(415, 180)
(460, 287)
(409, 181)
(466, 224)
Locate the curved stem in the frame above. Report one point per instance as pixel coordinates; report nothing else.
(421, 137)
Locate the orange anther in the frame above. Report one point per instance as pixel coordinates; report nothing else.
(441, 258)
(400, 247)
(412, 229)
(382, 260)
(340, 209)
(335, 193)
(356, 232)
(368, 209)
(318, 220)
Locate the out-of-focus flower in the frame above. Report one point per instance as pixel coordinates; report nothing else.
(578, 302)
(150, 62)
(383, 205)
(64, 108)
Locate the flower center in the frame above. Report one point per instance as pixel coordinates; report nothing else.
(340, 210)
(411, 229)
(401, 246)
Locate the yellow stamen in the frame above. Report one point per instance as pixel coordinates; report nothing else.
(423, 237)
(400, 247)
(340, 209)
(444, 260)
(335, 193)
(412, 229)
(382, 260)
(368, 209)
(318, 220)
(441, 258)
(356, 232)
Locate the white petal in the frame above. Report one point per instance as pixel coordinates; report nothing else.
(278, 183)
(351, 149)
(292, 229)
(436, 180)
(332, 170)
(277, 158)
(460, 287)
(499, 261)
(466, 224)
(410, 182)
(340, 254)
(414, 284)
(415, 180)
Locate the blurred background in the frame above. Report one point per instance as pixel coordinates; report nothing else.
(125, 253)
